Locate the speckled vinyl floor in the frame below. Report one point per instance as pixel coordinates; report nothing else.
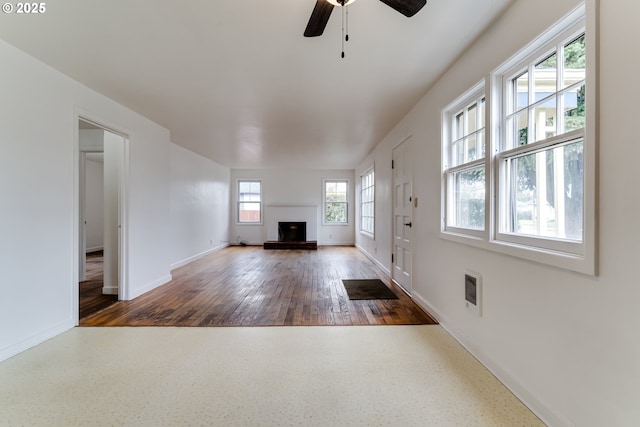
(263, 376)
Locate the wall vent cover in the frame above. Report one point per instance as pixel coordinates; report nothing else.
(473, 292)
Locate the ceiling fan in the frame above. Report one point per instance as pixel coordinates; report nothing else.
(323, 8)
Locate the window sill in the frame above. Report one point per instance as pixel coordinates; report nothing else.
(584, 264)
(367, 234)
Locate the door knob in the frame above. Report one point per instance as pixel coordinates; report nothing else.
(408, 224)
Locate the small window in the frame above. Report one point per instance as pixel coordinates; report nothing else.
(464, 164)
(249, 202)
(335, 201)
(367, 202)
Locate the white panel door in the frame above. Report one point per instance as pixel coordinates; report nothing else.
(402, 214)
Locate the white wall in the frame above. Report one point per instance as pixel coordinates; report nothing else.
(112, 230)
(564, 342)
(94, 205)
(39, 187)
(199, 205)
(379, 247)
(292, 187)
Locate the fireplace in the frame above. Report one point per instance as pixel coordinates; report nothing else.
(291, 226)
(292, 231)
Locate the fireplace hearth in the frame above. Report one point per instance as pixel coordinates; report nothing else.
(291, 235)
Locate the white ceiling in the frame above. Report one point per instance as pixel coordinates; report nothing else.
(235, 80)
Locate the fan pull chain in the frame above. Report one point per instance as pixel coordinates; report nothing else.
(345, 24)
(342, 56)
(347, 12)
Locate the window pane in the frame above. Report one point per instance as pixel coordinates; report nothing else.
(468, 188)
(471, 148)
(249, 212)
(545, 120)
(457, 152)
(336, 192)
(249, 191)
(547, 198)
(574, 113)
(335, 212)
(574, 62)
(459, 126)
(545, 82)
(521, 97)
(519, 129)
(472, 119)
(480, 144)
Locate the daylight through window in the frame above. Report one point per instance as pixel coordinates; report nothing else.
(249, 202)
(367, 202)
(335, 201)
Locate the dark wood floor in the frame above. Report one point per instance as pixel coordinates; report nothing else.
(91, 298)
(250, 286)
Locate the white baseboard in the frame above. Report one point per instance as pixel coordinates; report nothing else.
(332, 243)
(196, 256)
(132, 294)
(32, 341)
(542, 410)
(110, 290)
(321, 243)
(374, 260)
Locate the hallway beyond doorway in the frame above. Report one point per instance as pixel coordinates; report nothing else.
(92, 300)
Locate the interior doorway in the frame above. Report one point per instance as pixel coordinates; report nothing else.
(102, 155)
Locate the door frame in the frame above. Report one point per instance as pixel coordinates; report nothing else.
(123, 210)
(408, 291)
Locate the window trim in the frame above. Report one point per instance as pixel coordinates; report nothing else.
(324, 202)
(471, 96)
(584, 261)
(238, 201)
(367, 233)
(563, 253)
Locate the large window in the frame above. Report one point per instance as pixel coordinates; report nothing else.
(464, 163)
(526, 186)
(540, 157)
(367, 202)
(335, 201)
(249, 202)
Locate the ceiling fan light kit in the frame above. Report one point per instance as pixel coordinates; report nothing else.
(340, 3)
(323, 8)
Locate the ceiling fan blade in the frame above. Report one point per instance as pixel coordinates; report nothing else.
(406, 7)
(319, 18)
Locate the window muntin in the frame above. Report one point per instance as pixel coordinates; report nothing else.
(367, 202)
(550, 104)
(568, 144)
(335, 201)
(464, 164)
(541, 171)
(249, 202)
